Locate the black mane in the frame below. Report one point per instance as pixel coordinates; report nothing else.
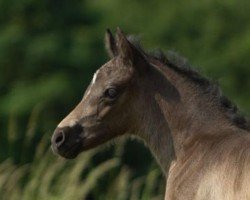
(181, 66)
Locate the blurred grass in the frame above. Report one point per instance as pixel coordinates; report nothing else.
(49, 51)
(49, 177)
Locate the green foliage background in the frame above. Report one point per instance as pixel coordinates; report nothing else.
(48, 52)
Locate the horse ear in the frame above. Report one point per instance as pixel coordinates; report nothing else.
(110, 44)
(129, 54)
(126, 50)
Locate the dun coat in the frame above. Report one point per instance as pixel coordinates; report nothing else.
(195, 133)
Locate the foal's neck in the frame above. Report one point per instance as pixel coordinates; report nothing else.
(179, 113)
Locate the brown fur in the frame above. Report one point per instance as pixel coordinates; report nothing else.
(195, 134)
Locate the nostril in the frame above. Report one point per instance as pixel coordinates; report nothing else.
(59, 140)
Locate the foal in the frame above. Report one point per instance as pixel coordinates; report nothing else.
(196, 135)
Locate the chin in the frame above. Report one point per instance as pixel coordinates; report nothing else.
(69, 153)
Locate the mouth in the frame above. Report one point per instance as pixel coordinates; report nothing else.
(72, 152)
(69, 153)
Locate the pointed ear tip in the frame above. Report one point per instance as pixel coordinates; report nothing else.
(108, 33)
(119, 31)
(120, 34)
(108, 30)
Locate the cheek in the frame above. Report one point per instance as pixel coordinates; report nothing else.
(115, 113)
(103, 110)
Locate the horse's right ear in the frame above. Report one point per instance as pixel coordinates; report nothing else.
(127, 51)
(110, 44)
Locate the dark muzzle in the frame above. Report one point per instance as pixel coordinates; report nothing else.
(67, 141)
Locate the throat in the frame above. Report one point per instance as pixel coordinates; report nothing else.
(162, 147)
(155, 132)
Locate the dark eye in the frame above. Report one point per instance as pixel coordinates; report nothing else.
(111, 93)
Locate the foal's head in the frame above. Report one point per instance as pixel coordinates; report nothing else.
(108, 107)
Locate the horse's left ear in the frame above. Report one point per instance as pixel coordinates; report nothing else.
(127, 51)
(110, 44)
